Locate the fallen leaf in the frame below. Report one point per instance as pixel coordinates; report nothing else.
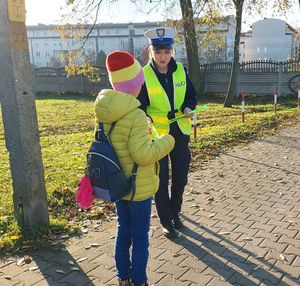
(55, 242)
(290, 221)
(94, 244)
(26, 259)
(246, 238)
(21, 261)
(283, 258)
(64, 236)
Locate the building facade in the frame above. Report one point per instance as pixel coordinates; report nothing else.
(269, 39)
(46, 46)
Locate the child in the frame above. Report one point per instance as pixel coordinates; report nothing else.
(132, 142)
(167, 93)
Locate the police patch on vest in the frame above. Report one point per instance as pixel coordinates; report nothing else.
(179, 84)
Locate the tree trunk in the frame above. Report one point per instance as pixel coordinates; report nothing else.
(233, 91)
(191, 43)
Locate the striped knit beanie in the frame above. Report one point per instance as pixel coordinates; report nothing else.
(125, 72)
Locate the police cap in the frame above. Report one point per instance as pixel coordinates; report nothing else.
(161, 38)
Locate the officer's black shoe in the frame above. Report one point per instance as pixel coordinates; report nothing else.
(169, 231)
(177, 223)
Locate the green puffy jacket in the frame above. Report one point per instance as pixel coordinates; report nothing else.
(131, 139)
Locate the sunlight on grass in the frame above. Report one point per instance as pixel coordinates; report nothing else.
(66, 128)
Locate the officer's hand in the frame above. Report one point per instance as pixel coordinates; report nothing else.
(149, 125)
(186, 111)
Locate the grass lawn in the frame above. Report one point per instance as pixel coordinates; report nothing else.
(66, 130)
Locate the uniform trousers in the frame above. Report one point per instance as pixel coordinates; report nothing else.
(169, 205)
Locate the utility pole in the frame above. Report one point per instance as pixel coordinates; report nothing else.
(20, 118)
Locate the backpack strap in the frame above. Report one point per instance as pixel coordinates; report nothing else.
(110, 129)
(132, 179)
(100, 135)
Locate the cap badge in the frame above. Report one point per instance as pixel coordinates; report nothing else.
(160, 32)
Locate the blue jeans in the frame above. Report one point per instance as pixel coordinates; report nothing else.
(133, 224)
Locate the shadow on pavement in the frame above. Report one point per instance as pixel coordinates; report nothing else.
(262, 164)
(51, 267)
(50, 262)
(224, 261)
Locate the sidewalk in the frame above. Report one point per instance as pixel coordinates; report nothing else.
(242, 227)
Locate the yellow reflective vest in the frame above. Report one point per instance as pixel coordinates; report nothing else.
(159, 102)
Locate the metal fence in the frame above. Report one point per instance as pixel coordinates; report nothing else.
(255, 77)
(57, 80)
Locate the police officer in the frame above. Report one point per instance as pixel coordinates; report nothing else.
(168, 93)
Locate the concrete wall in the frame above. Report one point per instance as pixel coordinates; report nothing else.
(56, 80)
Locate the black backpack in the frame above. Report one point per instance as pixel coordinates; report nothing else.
(103, 167)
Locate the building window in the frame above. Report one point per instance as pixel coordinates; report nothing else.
(47, 54)
(46, 44)
(48, 64)
(38, 54)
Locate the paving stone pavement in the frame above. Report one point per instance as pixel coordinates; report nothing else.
(242, 227)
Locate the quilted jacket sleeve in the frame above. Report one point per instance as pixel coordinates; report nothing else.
(142, 149)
